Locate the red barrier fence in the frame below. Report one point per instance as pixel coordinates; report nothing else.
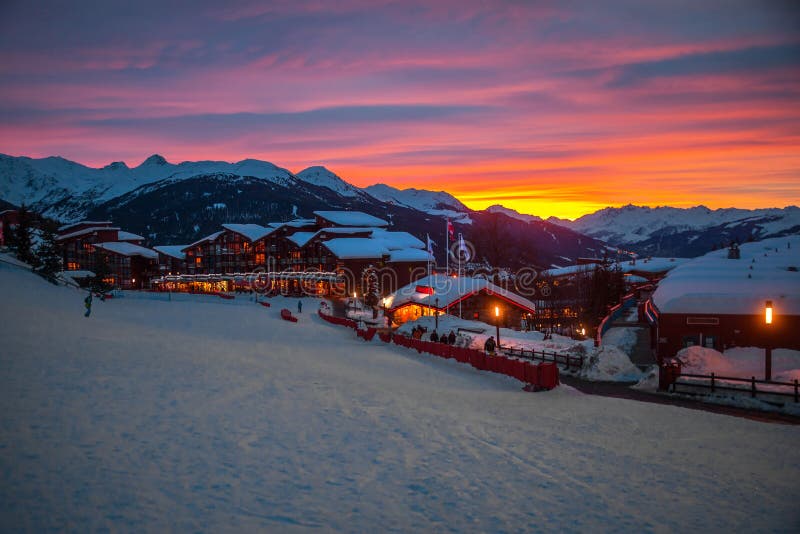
(265, 304)
(541, 376)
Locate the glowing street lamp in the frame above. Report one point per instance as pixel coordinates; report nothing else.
(768, 351)
(497, 324)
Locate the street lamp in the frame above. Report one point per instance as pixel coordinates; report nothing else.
(768, 351)
(497, 324)
(436, 314)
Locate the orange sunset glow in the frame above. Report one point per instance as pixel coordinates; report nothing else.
(545, 108)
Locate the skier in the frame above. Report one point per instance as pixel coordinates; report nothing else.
(88, 303)
(489, 345)
(299, 306)
(451, 338)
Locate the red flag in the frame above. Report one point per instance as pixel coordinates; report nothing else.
(451, 229)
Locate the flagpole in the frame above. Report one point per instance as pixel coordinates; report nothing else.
(460, 240)
(447, 246)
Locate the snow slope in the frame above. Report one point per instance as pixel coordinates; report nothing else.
(204, 414)
(497, 208)
(438, 203)
(323, 177)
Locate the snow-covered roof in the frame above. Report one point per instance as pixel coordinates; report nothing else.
(3, 212)
(397, 240)
(356, 247)
(122, 235)
(449, 290)
(301, 238)
(210, 237)
(85, 231)
(714, 284)
(175, 251)
(649, 265)
(253, 232)
(409, 254)
(66, 227)
(351, 218)
(128, 249)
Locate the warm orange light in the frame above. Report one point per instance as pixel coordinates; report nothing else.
(497, 311)
(768, 312)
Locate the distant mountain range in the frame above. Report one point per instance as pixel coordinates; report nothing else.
(688, 232)
(179, 203)
(174, 203)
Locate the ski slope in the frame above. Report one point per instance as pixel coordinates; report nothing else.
(199, 414)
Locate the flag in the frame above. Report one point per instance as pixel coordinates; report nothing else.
(451, 229)
(430, 244)
(463, 251)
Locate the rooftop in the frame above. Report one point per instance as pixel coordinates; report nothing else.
(128, 249)
(351, 218)
(714, 284)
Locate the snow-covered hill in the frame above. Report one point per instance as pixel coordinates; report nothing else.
(323, 177)
(66, 190)
(497, 208)
(438, 203)
(195, 413)
(635, 224)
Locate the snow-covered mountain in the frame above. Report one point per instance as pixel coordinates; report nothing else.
(66, 190)
(514, 214)
(323, 177)
(633, 224)
(438, 203)
(683, 231)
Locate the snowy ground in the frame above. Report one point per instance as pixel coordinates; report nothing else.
(203, 414)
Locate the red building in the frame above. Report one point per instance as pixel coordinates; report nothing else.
(85, 243)
(717, 301)
(325, 255)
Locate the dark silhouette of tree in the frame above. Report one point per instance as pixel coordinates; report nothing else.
(48, 253)
(21, 242)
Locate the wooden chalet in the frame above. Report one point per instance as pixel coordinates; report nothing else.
(471, 298)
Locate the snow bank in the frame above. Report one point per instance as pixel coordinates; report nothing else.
(623, 338)
(610, 364)
(740, 362)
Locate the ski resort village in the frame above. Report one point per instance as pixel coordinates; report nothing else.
(408, 267)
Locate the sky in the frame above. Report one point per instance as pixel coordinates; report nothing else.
(550, 108)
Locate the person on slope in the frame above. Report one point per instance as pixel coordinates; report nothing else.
(299, 306)
(87, 302)
(451, 338)
(434, 337)
(490, 345)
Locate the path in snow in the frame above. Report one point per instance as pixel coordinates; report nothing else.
(203, 414)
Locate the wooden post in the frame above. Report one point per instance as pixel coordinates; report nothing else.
(712, 382)
(795, 390)
(753, 386)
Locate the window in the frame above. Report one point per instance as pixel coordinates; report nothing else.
(73, 266)
(709, 342)
(198, 261)
(689, 341)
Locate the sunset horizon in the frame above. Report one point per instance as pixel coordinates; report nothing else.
(544, 108)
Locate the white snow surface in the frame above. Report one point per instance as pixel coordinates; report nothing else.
(175, 251)
(128, 249)
(213, 415)
(351, 218)
(713, 284)
(253, 232)
(447, 290)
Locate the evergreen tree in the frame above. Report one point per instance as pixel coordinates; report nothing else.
(48, 253)
(101, 272)
(22, 237)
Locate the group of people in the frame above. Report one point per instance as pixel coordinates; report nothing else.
(450, 339)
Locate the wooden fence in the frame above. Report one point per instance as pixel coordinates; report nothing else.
(567, 360)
